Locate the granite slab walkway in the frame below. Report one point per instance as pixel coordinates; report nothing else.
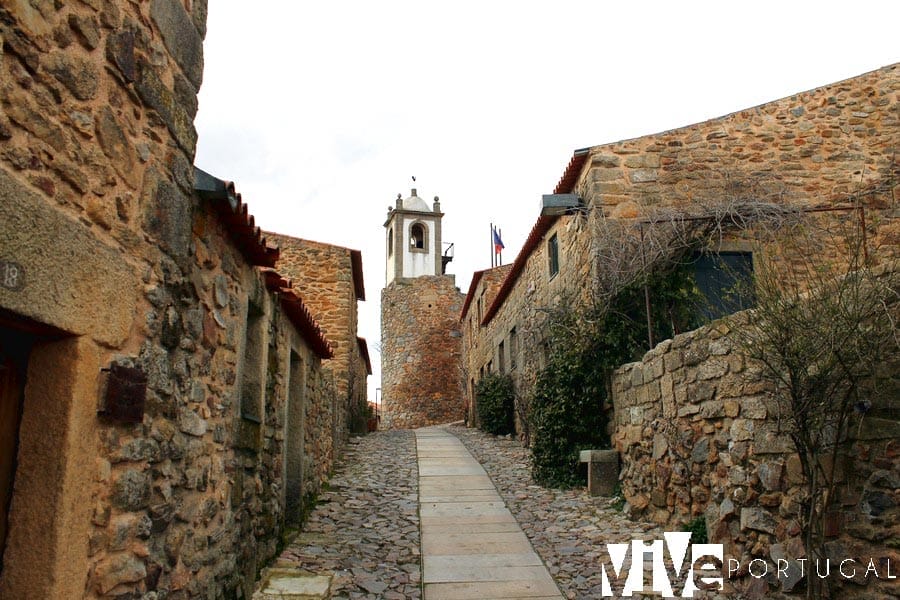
(472, 546)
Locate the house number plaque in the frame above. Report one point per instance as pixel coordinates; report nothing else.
(12, 275)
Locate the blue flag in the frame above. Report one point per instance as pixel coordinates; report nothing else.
(498, 243)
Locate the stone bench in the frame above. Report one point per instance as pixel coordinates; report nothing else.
(603, 471)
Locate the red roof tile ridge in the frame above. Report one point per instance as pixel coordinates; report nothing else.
(298, 313)
(235, 215)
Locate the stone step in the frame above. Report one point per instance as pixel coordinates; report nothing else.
(283, 583)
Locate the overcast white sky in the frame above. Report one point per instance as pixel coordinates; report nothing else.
(321, 112)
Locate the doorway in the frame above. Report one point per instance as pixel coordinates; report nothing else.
(294, 441)
(15, 347)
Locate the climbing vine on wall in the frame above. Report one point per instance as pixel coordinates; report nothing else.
(494, 401)
(585, 346)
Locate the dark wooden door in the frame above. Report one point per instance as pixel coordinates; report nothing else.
(14, 348)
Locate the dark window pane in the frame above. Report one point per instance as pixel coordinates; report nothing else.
(553, 254)
(726, 282)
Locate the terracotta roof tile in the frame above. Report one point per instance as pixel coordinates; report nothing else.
(236, 217)
(299, 314)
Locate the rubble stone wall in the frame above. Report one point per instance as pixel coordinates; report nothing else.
(483, 294)
(421, 352)
(359, 394)
(699, 437)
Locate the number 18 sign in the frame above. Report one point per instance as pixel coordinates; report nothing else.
(12, 275)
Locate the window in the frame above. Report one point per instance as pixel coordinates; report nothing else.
(481, 306)
(254, 360)
(725, 280)
(418, 237)
(513, 348)
(501, 362)
(490, 366)
(390, 242)
(553, 255)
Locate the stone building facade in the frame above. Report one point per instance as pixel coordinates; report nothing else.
(164, 406)
(330, 280)
(509, 334)
(827, 148)
(363, 368)
(482, 291)
(817, 147)
(690, 422)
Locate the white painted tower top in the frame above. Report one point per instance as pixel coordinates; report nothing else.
(415, 203)
(413, 239)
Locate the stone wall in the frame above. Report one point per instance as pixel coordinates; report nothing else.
(111, 258)
(325, 277)
(235, 518)
(686, 416)
(830, 147)
(421, 352)
(698, 436)
(822, 145)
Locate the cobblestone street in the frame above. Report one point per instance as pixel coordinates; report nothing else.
(365, 528)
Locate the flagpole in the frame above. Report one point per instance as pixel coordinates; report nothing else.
(500, 236)
(492, 245)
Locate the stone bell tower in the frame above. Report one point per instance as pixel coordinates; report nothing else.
(413, 237)
(421, 343)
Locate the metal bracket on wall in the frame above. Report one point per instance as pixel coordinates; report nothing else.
(125, 394)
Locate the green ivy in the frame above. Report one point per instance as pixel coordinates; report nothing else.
(494, 400)
(567, 413)
(618, 497)
(697, 527)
